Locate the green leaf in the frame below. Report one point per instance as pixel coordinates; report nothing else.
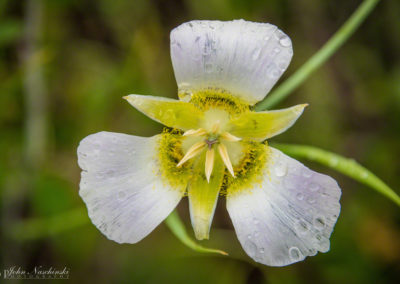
(346, 166)
(178, 229)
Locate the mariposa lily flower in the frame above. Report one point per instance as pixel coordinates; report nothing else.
(214, 145)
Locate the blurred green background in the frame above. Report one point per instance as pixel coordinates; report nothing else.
(64, 67)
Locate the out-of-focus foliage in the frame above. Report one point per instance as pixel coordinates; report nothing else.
(91, 53)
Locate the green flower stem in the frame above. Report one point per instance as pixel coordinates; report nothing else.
(346, 166)
(319, 58)
(175, 224)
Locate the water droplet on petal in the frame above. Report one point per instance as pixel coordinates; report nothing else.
(301, 226)
(295, 254)
(262, 250)
(285, 41)
(319, 222)
(283, 64)
(313, 187)
(311, 200)
(256, 53)
(300, 196)
(256, 221)
(277, 50)
(280, 169)
(249, 237)
(208, 67)
(251, 248)
(306, 173)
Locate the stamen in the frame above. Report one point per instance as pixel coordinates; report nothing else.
(195, 132)
(229, 137)
(209, 163)
(193, 151)
(216, 127)
(225, 157)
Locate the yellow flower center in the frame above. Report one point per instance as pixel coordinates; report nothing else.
(212, 138)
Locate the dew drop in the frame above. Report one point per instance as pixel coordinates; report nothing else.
(283, 64)
(301, 226)
(285, 41)
(280, 169)
(249, 237)
(319, 222)
(208, 67)
(294, 254)
(314, 187)
(311, 200)
(262, 250)
(256, 221)
(251, 248)
(300, 196)
(266, 38)
(256, 53)
(277, 50)
(306, 173)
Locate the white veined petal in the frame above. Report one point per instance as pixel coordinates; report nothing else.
(244, 58)
(291, 216)
(125, 197)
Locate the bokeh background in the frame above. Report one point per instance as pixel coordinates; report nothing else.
(64, 66)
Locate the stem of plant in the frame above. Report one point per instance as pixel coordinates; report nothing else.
(319, 58)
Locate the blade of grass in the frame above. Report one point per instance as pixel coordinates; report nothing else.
(346, 166)
(175, 224)
(320, 57)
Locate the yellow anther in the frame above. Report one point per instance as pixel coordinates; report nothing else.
(216, 127)
(209, 163)
(225, 157)
(229, 137)
(195, 132)
(192, 152)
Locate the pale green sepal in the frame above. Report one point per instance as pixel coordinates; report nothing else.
(263, 125)
(170, 112)
(203, 195)
(175, 224)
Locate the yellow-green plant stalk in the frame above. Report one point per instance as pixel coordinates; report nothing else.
(214, 144)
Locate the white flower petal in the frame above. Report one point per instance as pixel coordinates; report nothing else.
(290, 216)
(125, 197)
(244, 58)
